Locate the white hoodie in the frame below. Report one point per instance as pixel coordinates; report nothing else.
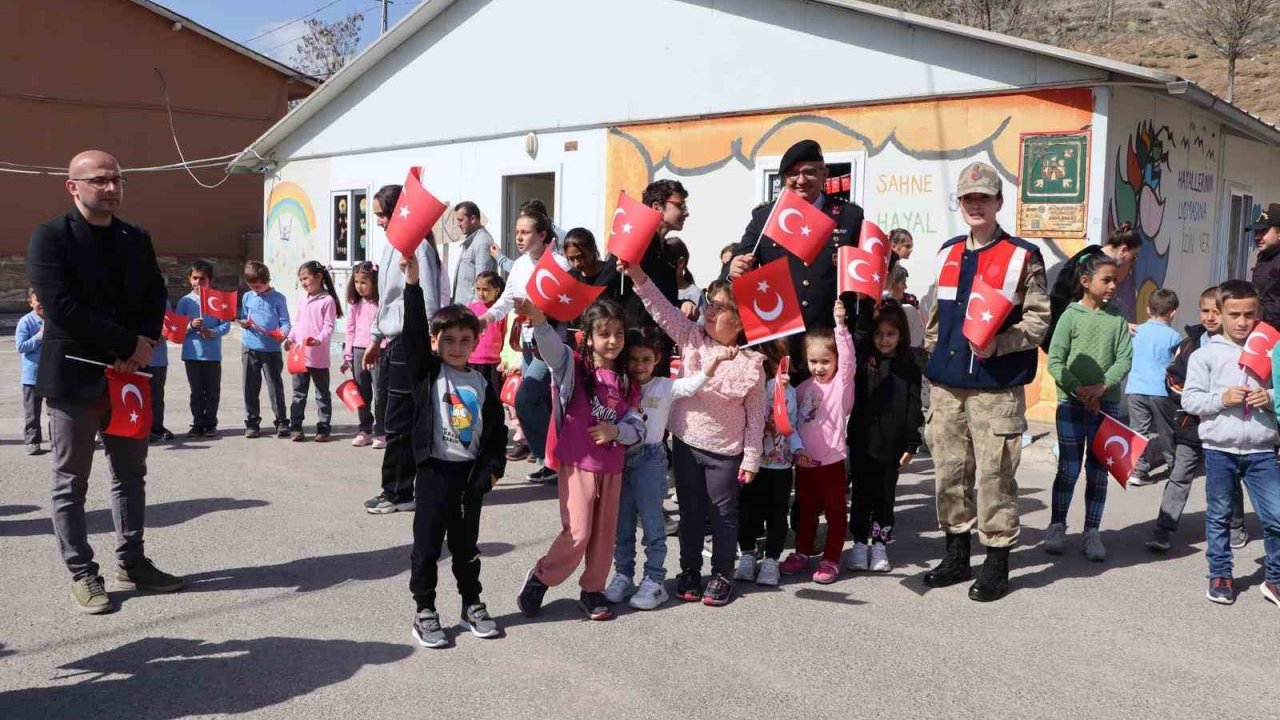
(1211, 370)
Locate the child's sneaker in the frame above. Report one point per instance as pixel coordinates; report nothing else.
(282, 431)
(476, 618)
(880, 558)
(651, 595)
(530, 598)
(769, 573)
(1221, 590)
(596, 605)
(719, 591)
(1055, 538)
(619, 588)
(689, 586)
(323, 437)
(1271, 593)
(297, 436)
(252, 433)
(858, 558)
(827, 572)
(380, 442)
(362, 439)
(1093, 548)
(1239, 538)
(746, 567)
(427, 630)
(794, 564)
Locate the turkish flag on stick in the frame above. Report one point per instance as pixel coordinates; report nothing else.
(220, 304)
(634, 225)
(984, 313)
(1118, 448)
(872, 239)
(1257, 350)
(296, 363)
(781, 421)
(557, 293)
(349, 394)
(798, 226)
(767, 302)
(416, 212)
(130, 395)
(860, 272)
(175, 327)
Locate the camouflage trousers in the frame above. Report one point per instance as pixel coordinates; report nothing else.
(975, 439)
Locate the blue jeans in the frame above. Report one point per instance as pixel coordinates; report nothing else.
(533, 405)
(1260, 474)
(644, 485)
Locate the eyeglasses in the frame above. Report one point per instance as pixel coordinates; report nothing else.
(681, 206)
(809, 173)
(102, 182)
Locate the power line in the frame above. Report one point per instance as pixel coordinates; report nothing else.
(294, 21)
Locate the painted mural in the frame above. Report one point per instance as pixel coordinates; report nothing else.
(289, 226)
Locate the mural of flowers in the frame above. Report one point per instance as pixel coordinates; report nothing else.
(1137, 198)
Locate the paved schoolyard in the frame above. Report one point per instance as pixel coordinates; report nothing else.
(297, 606)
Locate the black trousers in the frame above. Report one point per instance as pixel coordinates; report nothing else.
(707, 490)
(259, 365)
(205, 379)
(875, 486)
(447, 507)
(398, 464)
(762, 507)
(324, 400)
(159, 374)
(32, 404)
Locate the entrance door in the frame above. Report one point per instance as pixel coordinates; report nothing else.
(1234, 255)
(516, 191)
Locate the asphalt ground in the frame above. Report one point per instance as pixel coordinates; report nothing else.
(297, 606)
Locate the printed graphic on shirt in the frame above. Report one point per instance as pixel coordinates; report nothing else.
(606, 412)
(463, 406)
(808, 401)
(777, 449)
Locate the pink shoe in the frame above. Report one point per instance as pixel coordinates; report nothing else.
(794, 564)
(363, 439)
(380, 442)
(827, 572)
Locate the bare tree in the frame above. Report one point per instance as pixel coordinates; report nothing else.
(328, 46)
(1011, 17)
(1233, 29)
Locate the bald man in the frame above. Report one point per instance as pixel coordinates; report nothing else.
(104, 300)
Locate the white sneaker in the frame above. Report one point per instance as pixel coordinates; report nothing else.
(1055, 538)
(650, 595)
(619, 588)
(857, 558)
(1093, 547)
(746, 567)
(880, 558)
(769, 573)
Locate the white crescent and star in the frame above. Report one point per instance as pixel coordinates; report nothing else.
(773, 313)
(1250, 340)
(782, 220)
(1119, 440)
(853, 269)
(626, 226)
(125, 392)
(873, 241)
(215, 303)
(541, 275)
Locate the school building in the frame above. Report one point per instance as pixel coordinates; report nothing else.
(572, 100)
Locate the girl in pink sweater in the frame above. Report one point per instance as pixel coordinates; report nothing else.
(313, 328)
(823, 405)
(717, 432)
(362, 308)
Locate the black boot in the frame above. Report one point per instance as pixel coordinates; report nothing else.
(954, 568)
(993, 581)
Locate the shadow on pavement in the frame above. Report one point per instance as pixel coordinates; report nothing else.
(17, 509)
(166, 514)
(307, 574)
(176, 678)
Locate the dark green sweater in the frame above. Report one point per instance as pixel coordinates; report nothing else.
(1090, 347)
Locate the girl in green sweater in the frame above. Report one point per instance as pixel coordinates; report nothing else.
(1088, 357)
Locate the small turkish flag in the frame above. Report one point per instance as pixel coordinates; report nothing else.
(1257, 350)
(1118, 448)
(557, 293)
(220, 304)
(872, 239)
(349, 393)
(634, 225)
(130, 395)
(296, 363)
(860, 272)
(798, 226)
(781, 422)
(984, 313)
(175, 327)
(767, 302)
(675, 367)
(510, 387)
(416, 212)
(553, 433)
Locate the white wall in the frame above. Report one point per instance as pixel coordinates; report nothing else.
(493, 67)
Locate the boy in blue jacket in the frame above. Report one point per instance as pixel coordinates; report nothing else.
(29, 337)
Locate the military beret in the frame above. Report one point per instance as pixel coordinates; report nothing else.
(803, 151)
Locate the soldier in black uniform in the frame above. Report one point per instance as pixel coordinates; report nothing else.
(805, 172)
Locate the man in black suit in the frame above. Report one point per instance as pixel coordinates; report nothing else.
(804, 171)
(104, 301)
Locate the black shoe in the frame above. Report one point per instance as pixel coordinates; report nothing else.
(993, 580)
(165, 435)
(195, 432)
(954, 568)
(252, 433)
(210, 432)
(719, 591)
(519, 451)
(596, 605)
(543, 476)
(689, 586)
(282, 431)
(530, 598)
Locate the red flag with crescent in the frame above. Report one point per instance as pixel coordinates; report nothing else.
(767, 302)
(175, 327)
(510, 387)
(874, 240)
(634, 225)
(556, 292)
(296, 363)
(1256, 355)
(781, 421)
(220, 304)
(1117, 447)
(416, 212)
(130, 395)
(984, 312)
(860, 272)
(349, 393)
(798, 226)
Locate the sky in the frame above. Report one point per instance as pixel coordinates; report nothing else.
(257, 23)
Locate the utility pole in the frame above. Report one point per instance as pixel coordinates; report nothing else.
(384, 16)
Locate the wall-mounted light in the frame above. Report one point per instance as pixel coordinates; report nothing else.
(177, 26)
(531, 145)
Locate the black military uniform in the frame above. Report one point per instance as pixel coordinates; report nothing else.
(1266, 273)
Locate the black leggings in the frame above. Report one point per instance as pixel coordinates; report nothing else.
(875, 486)
(762, 507)
(707, 490)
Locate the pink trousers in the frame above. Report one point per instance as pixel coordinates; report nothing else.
(588, 527)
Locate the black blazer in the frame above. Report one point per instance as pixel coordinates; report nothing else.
(68, 269)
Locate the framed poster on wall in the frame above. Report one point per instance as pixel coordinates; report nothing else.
(1053, 184)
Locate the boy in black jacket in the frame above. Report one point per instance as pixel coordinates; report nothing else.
(459, 444)
(1188, 455)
